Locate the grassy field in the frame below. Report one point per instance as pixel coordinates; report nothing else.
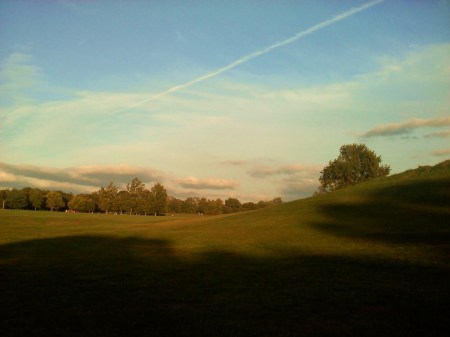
(371, 260)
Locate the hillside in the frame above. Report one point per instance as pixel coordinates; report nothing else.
(369, 260)
(441, 169)
(404, 207)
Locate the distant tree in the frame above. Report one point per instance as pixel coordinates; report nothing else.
(262, 204)
(54, 200)
(107, 197)
(356, 163)
(277, 201)
(66, 198)
(36, 197)
(94, 197)
(174, 205)
(147, 202)
(202, 206)
(216, 207)
(232, 205)
(122, 203)
(82, 203)
(249, 206)
(17, 199)
(189, 206)
(135, 191)
(3, 195)
(159, 194)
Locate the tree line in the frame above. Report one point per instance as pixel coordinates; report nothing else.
(134, 199)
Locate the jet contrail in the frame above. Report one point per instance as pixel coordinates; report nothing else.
(257, 53)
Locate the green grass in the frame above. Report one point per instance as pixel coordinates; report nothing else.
(371, 260)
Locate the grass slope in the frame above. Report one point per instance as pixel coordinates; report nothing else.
(369, 260)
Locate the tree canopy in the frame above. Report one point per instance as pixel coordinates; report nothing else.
(134, 198)
(356, 163)
(54, 200)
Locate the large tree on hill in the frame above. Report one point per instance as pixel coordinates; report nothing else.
(356, 163)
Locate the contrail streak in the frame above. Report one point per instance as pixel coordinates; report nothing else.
(263, 51)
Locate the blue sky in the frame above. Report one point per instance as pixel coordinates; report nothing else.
(191, 94)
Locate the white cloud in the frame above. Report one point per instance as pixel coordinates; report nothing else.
(406, 126)
(18, 78)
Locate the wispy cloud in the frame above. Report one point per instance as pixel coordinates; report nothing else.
(441, 152)
(266, 171)
(294, 180)
(405, 127)
(296, 188)
(255, 54)
(18, 75)
(443, 134)
(206, 184)
(235, 162)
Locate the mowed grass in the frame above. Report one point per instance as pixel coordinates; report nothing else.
(371, 260)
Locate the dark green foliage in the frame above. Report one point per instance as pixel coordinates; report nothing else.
(356, 163)
(36, 197)
(135, 199)
(123, 203)
(232, 205)
(107, 198)
(17, 199)
(82, 203)
(136, 196)
(159, 195)
(189, 206)
(3, 194)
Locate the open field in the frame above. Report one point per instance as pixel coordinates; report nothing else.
(372, 260)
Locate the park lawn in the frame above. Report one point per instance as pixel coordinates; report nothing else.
(371, 260)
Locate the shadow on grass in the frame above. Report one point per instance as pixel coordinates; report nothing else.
(101, 286)
(415, 212)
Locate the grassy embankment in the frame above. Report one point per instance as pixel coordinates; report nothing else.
(371, 260)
